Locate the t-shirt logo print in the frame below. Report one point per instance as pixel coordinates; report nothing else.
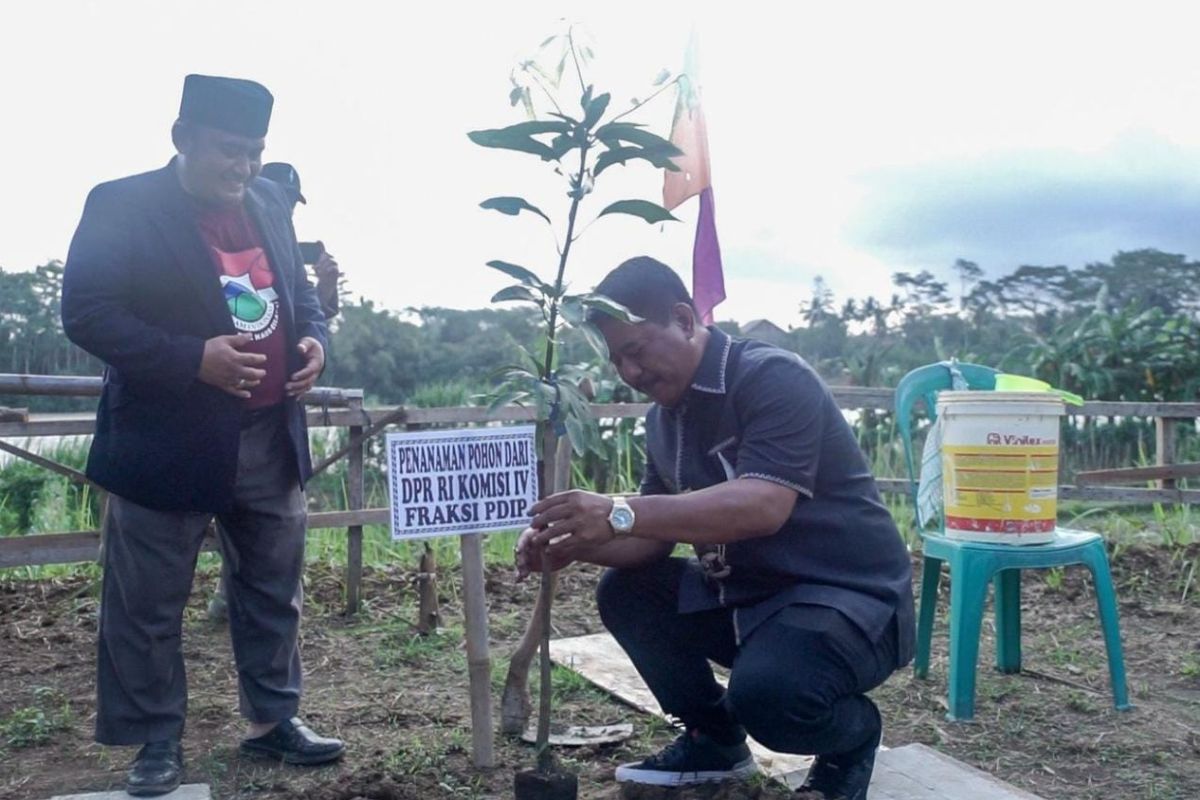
(249, 288)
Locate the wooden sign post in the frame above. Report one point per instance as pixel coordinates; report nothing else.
(465, 483)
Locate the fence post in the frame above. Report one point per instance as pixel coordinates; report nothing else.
(479, 662)
(1164, 447)
(355, 502)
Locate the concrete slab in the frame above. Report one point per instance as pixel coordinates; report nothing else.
(189, 791)
(911, 772)
(917, 772)
(602, 661)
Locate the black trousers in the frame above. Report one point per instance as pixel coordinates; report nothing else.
(149, 560)
(796, 684)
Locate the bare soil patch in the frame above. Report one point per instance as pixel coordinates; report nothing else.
(400, 700)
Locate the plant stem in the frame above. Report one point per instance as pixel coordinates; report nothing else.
(542, 86)
(636, 106)
(548, 367)
(575, 58)
(545, 762)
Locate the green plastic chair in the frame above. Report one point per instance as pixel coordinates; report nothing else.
(974, 565)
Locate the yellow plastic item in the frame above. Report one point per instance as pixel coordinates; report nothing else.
(1021, 383)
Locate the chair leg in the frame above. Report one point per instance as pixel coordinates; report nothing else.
(931, 574)
(1106, 602)
(968, 591)
(1008, 620)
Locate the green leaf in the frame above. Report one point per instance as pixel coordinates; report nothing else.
(636, 134)
(581, 189)
(558, 71)
(515, 96)
(544, 393)
(512, 372)
(572, 310)
(533, 127)
(525, 276)
(574, 372)
(519, 293)
(535, 363)
(615, 155)
(577, 435)
(519, 137)
(581, 425)
(660, 158)
(595, 339)
(521, 144)
(610, 307)
(506, 398)
(563, 144)
(548, 40)
(662, 77)
(595, 110)
(611, 129)
(650, 212)
(586, 100)
(511, 206)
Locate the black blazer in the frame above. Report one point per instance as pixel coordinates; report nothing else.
(141, 293)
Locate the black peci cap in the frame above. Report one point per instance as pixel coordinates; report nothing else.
(286, 176)
(230, 104)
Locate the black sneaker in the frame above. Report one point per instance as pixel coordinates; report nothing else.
(691, 758)
(845, 776)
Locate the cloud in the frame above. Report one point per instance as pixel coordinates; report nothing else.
(1033, 207)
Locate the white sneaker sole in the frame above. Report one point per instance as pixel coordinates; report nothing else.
(629, 773)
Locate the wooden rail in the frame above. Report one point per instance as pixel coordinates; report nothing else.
(343, 408)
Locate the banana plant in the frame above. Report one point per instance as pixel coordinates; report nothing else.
(580, 141)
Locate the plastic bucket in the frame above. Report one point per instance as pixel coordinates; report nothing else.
(1000, 465)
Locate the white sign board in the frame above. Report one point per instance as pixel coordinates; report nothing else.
(464, 481)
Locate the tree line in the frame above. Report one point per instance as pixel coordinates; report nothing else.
(1126, 329)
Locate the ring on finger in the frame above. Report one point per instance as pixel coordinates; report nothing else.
(241, 384)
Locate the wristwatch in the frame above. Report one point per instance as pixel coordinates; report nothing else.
(621, 517)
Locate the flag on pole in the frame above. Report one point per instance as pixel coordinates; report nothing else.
(689, 134)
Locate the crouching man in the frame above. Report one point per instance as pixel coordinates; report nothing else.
(801, 584)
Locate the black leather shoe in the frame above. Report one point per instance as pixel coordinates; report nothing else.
(157, 769)
(293, 743)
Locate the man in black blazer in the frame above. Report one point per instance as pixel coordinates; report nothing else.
(188, 283)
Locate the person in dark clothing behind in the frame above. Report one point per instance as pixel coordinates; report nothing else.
(801, 583)
(325, 266)
(187, 282)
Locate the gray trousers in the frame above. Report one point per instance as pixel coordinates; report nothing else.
(149, 561)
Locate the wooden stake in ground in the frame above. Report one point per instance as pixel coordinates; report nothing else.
(515, 705)
(429, 617)
(479, 662)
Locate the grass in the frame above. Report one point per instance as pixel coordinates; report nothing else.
(409, 648)
(1054, 578)
(566, 685)
(33, 725)
(329, 546)
(1190, 667)
(34, 501)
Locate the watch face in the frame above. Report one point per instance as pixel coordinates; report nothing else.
(622, 518)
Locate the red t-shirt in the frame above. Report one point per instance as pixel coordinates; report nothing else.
(249, 287)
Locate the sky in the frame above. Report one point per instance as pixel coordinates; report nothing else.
(848, 141)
